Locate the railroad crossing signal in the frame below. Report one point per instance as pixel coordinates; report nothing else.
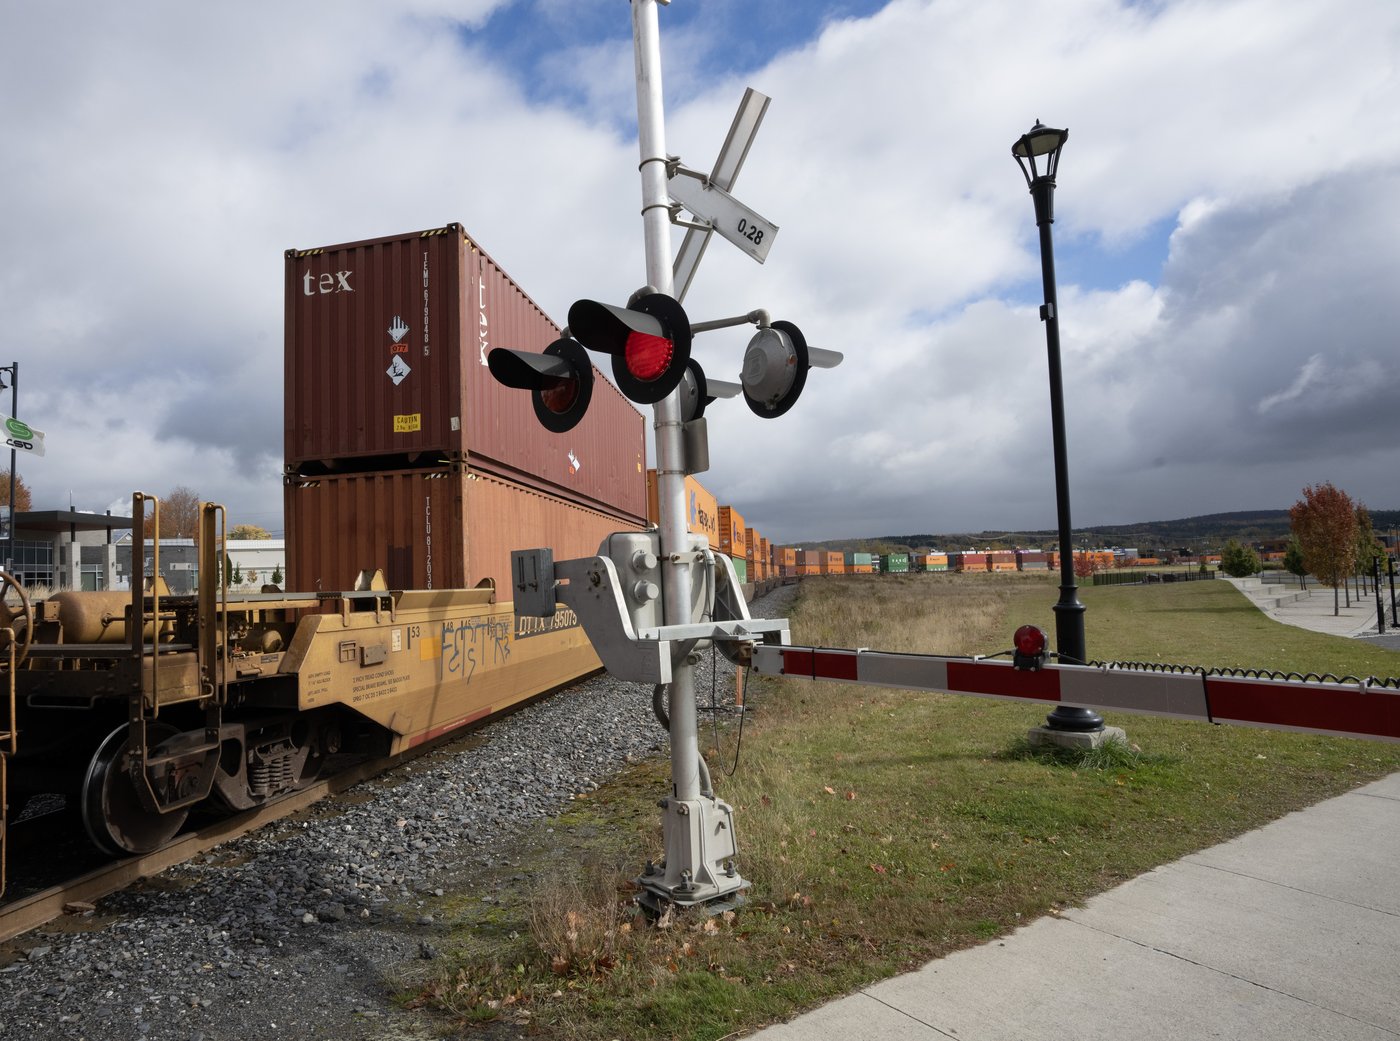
(560, 380)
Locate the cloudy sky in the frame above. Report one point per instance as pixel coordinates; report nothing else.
(1227, 233)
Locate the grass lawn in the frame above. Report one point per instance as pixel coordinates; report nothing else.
(882, 828)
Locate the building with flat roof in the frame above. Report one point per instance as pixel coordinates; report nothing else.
(63, 549)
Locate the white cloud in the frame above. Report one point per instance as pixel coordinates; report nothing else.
(161, 156)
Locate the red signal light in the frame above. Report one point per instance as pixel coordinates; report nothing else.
(1031, 648)
(559, 395)
(1030, 641)
(648, 357)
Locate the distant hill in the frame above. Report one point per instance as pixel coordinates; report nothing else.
(1205, 533)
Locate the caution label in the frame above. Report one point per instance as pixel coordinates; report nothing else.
(408, 424)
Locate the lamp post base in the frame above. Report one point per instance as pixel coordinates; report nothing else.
(1080, 720)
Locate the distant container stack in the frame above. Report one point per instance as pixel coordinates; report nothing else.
(894, 563)
(860, 563)
(1001, 560)
(1032, 560)
(403, 454)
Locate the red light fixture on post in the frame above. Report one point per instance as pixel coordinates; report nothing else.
(649, 342)
(560, 380)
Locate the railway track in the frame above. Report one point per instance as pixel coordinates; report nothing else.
(21, 914)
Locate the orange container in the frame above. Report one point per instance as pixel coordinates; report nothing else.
(833, 563)
(732, 533)
(701, 508)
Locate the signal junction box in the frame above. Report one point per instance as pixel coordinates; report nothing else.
(618, 596)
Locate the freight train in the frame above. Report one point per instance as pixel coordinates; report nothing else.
(409, 476)
(140, 708)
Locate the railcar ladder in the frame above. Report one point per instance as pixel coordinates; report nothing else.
(9, 743)
(211, 643)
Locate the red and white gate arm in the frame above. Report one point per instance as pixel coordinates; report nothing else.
(1343, 709)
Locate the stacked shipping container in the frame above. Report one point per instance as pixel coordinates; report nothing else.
(860, 563)
(402, 453)
(894, 563)
(701, 509)
(1001, 560)
(1032, 560)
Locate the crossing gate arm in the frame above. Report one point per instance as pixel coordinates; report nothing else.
(1338, 709)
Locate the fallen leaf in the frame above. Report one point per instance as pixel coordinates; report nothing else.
(879, 869)
(829, 790)
(850, 795)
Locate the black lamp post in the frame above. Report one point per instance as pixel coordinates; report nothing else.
(1044, 143)
(13, 371)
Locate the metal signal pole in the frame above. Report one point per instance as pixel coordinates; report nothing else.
(691, 817)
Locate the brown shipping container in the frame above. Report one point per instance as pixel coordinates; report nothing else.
(701, 508)
(731, 531)
(427, 529)
(832, 563)
(386, 344)
(787, 556)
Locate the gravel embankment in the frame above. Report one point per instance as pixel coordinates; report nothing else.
(293, 931)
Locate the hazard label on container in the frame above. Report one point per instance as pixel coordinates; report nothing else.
(408, 424)
(398, 370)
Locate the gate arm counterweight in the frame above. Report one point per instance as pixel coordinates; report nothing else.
(1358, 709)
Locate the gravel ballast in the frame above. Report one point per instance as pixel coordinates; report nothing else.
(297, 929)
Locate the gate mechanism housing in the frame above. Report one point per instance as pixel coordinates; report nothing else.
(618, 597)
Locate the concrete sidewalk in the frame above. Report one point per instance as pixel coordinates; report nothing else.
(1312, 608)
(1289, 932)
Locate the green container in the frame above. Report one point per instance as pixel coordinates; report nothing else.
(742, 567)
(894, 563)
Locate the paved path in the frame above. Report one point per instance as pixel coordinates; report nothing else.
(1312, 609)
(1288, 933)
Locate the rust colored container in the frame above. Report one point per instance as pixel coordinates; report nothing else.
(427, 529)
(787, 556)
(732, 532)
(832, 563)
(1032, 560)
(1001, 560)
(385, 357)
(701, 508)
(809, 562)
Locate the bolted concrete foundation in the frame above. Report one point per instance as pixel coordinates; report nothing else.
(1083, 740)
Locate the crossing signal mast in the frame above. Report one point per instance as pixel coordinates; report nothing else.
(652, 601)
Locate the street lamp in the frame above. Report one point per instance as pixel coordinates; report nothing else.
(13, 371)
(1045, 143)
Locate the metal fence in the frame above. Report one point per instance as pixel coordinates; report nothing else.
(1144, 578)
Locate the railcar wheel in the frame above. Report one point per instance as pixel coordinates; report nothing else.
(115, 818)
(12, 615)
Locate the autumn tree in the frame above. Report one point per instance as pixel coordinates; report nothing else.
(23, 500)
(1369, 549)
(179, 515)
(1324, 523)
(248, 531)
